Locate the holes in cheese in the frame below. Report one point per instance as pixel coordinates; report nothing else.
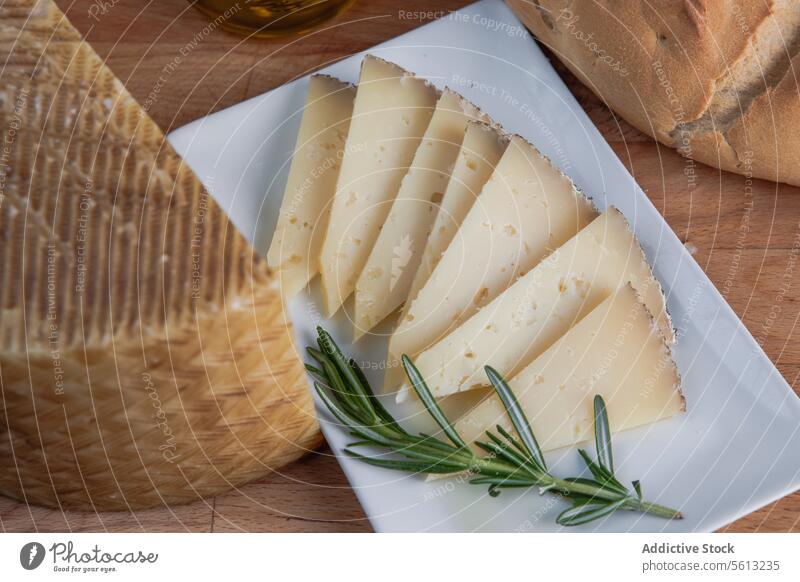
(386, 279)
(391, 112)
(526, 209)
(480, 151)
(542, 305)
(616, 351)
(296, 243)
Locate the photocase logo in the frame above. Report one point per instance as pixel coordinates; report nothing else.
(401, 254)
(31, 555)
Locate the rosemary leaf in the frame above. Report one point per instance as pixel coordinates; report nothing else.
(600, 487)
(601, 474)
(517, 416)
(332, 350)
(577, 499)
(382, 413)
(410, 466)
(315, 371)
(503, 453)
(331, 379)
(502, 482)
(437, 443)
(337, 384)
(355, 425)
(602, 435)
(581, 514)
(429, 402)
(510, 453)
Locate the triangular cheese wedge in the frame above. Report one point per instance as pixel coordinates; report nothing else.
(543, 305)
(391, 112)
(303, 220)
(527, 209)
(386, 279)
(618, 352)
(480, 151)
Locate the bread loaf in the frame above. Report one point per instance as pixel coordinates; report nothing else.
(145, 358)
(716, 79)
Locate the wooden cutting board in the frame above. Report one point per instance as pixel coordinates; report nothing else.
(745, 234)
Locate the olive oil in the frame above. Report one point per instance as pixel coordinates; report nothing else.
(271, 18)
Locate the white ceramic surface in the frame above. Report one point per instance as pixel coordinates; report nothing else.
(738, 446)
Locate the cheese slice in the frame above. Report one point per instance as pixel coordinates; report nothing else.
(303, 220)
(618, 352)
(386, 279)
(543, 305)
(480, 151)
(526, 209)
(391, 112)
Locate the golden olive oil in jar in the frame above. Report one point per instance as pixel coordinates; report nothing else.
(271, 18)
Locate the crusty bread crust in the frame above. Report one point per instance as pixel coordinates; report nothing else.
(713, 78)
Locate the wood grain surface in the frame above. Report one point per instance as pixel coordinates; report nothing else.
(745, 234)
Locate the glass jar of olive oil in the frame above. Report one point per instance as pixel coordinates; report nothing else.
(271, 18)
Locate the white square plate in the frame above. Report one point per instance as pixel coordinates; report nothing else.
(738, 446)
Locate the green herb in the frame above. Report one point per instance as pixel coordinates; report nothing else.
(513, 461)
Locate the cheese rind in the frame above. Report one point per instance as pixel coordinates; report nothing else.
(387, 276)
(391, 112)
(543, 305)
(526, 209)
(477, 158)
(618, 352)
(303, 218)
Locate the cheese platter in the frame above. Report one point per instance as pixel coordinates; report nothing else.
(540, 203)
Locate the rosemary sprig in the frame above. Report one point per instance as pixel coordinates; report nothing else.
(512, 461)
